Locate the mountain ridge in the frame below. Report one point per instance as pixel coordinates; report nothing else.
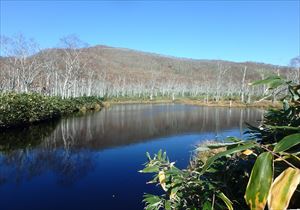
(181, 58)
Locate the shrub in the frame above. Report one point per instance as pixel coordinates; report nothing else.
(27, 108)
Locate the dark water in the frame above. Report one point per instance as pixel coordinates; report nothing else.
(91, 162)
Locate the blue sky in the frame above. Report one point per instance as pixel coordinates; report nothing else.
(262, 31)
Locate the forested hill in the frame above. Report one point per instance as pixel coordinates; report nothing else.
(134, 63)
(115, 72)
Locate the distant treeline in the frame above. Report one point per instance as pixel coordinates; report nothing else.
(73, 69)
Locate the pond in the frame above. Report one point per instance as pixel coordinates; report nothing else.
(92, 161)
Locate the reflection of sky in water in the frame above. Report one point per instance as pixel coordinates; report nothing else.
(91, 162)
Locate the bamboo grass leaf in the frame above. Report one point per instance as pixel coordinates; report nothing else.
(260, 182)
(227, 152)
(283, 188)
(287, 142)
(226, 200)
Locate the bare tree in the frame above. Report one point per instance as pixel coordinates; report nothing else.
(23, 61)
(243, 84)
(295, 64)
(73, 64)
(221, 71)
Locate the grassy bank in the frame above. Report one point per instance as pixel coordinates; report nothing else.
(19, 109)
(193, 101)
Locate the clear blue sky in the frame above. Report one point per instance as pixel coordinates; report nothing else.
(230, 30)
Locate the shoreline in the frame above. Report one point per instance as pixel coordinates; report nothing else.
(67, 107)
(234, 104)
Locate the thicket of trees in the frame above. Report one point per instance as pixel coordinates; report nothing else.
(73, 69)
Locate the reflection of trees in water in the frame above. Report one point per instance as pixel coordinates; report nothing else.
(25, 137)
(68, 166)
(122, 125)
(64, 149)
(24, 156)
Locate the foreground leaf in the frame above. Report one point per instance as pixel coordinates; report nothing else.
(260, 182)
(227, 152)
(167, 205)
(247, 152)
(287, 142)
(162, 180)
(272, 82)
(209, 146)
(153, 202)
(226, 200)
(207, 206)
(283, 127)
(150, 169)
(283, 188)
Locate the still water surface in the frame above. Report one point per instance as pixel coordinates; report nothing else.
(91, 162)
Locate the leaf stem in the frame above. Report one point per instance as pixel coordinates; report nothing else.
(278, 156)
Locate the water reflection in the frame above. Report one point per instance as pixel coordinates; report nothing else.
(127, 124)
(67, 150)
